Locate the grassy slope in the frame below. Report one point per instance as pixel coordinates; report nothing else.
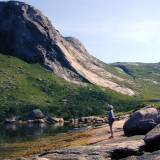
(146, 79)
(24, 87)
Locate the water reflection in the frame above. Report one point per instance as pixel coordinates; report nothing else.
(14, 133)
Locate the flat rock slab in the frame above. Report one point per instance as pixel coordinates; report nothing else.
(98, 152)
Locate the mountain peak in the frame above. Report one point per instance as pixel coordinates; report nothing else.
(29, 35)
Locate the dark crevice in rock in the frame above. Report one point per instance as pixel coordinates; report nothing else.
(152, 147)
(122, 153)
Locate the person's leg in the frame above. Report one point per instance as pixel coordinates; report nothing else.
(111, 130)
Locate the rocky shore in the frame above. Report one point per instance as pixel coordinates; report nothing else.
(38, 117)
(100, 147)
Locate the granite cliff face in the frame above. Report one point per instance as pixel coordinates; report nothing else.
(27, 34)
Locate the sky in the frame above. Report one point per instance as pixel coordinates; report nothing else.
(111, 30)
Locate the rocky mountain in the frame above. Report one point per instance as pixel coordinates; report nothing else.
(27, 34)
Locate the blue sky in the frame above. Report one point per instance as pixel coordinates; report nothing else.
(111, 30)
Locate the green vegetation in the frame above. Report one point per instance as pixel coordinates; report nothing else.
(24, 87)
(148, 77)
(145, 78)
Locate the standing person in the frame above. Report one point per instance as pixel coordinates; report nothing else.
(111, 119)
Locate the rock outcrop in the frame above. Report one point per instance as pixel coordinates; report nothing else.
(119, 149)
(141, 121)
(27, 34)
(152, 139)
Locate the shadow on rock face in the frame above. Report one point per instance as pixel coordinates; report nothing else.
(122, 153)
(152, 139)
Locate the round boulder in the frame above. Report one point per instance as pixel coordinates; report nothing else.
(141, 121)
(36, 114)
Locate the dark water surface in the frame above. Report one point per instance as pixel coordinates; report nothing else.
(12, 134)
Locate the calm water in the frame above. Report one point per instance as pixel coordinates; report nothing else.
(14, 134)
(20, 133)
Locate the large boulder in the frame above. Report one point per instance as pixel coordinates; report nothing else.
(152, 139)
(141, 121)
(36, 114)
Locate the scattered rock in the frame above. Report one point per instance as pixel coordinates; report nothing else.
(30, 121)
(141, 121)
(10, 120)
(55, 120)
(89, 119)
(40, 121)
(36, 116)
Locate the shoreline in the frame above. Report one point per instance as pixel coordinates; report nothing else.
(90, 136)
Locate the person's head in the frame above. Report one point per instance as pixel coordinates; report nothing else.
(110, 107)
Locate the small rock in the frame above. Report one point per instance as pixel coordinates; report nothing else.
(55, 120)
(92, 119)
(39, 121)
(10, 120)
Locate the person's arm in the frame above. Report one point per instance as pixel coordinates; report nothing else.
(113, 116)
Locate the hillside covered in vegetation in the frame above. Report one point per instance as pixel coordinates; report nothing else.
(24, 87)
(145, 78)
